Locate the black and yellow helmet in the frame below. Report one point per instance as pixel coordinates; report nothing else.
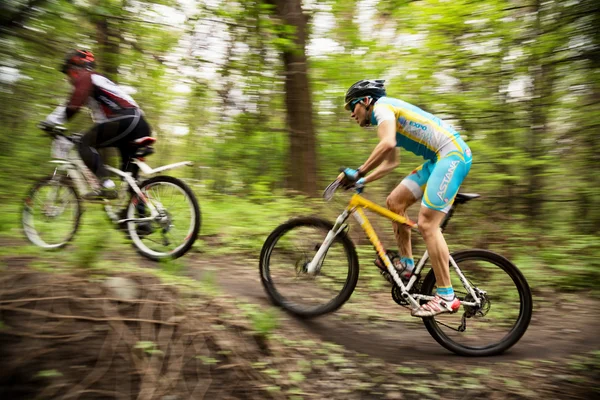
(365, 88)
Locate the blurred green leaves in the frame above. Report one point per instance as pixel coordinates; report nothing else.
(472, 63)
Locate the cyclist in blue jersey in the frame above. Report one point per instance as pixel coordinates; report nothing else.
(436, 182)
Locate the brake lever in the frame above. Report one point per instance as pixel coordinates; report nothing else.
(330, 190)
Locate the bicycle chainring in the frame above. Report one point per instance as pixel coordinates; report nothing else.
(397, 296)
(397, 292)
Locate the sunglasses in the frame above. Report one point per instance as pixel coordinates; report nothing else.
(353, 104)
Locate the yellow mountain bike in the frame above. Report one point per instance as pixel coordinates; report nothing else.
(309, 267)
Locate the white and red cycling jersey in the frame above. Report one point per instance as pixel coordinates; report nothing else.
(104, 98)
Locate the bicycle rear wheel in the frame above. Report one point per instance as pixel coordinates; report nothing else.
(51, 212)
(176, 228)
(503, 317)
(283, 260)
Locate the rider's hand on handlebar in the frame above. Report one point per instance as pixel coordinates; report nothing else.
(52, 128)
(46, 126)
(341, 180)
(349, 177)
(360, 185)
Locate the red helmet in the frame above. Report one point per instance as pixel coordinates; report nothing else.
(78, 58)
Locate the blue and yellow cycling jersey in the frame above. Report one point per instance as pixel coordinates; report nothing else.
(448, 157)
(418, 131)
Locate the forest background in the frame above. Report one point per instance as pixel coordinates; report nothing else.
(252, 92)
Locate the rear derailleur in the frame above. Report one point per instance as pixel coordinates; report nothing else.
(474, 311)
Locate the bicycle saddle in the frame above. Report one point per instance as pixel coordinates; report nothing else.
(144, 146)
(462, 198)
(143, 141)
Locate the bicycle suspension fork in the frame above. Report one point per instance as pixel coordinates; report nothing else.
(315, 265)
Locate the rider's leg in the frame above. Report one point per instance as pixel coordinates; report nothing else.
(120, 130)
(398, 201)
(89, 153)
(445, 300)
(141, 129)
(405, 194)
(442, 187)
(429, 226)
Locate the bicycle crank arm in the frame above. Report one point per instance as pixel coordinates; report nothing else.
(123, 221)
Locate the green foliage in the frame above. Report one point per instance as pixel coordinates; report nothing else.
(49, 373)
(574, 261)
(148, 347)
(213, 93)
(6, 224)
(172, 266)
(264, 320)
(88, 252)
(242, 224)
(207, 360)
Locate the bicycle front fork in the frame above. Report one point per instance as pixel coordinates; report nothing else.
(314, 266)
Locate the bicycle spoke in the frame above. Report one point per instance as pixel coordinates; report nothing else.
(175, 224)
(498, 321)
(288, 268)
(51, 214)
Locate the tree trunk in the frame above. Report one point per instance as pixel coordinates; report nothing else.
(108, 37)
(302, 168)
(10, 21)
(108, 44)
(543, 80)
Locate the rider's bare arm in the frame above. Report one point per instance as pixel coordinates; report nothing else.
(386, 147)
(390, 163)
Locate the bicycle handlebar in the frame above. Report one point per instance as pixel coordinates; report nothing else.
(333, 186)
(59, 131)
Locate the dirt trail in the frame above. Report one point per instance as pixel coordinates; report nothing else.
(556, 330)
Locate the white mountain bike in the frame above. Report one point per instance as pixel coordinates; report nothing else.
(160, 214)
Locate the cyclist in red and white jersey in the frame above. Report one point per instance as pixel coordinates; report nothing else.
(118, 119)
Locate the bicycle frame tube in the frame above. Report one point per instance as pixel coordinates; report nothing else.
(131, 182)
(466, 285)
(147, 170)
(355, 207)
(73, 170)
(362, 219)
(359, 201)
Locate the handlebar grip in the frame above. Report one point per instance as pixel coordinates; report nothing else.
(52, 130)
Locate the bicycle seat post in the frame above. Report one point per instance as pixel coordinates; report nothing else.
(447, 217)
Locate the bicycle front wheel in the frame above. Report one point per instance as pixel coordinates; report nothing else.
(503, 316)
(285, 256)
(51, 212)
(173, 232)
